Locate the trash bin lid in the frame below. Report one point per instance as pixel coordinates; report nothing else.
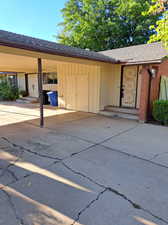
(50, 92)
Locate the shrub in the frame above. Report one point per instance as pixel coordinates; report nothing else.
(23, 93)
(160, 111)
(7, 91)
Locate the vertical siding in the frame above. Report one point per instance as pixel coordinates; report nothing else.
(94, 89)
(77, 84)
(61, 85)
(104, 85)
(21, 81)
(110, 85)
(115, 86)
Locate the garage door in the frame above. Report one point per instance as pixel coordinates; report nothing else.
(77, 92)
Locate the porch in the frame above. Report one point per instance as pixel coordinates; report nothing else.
(121, 92)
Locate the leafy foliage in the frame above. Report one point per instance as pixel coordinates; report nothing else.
(106, 24)
(161, 26)
(23, 93)
(7, 92)
(160, 111)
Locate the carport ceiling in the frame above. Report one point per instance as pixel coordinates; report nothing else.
(17, 63)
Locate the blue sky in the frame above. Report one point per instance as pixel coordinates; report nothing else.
(37, 18)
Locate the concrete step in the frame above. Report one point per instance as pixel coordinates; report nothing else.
(119, 115)
(121, 110)
(27, 100)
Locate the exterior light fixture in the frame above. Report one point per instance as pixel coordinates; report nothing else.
(153, 72)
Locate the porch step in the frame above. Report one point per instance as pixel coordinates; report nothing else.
(121, 110)
(119, 115)
(27, 100)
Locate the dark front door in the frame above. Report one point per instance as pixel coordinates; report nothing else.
(129, 86)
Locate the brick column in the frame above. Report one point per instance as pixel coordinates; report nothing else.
(144, 97)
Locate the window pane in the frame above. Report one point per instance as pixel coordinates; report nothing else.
(50, 78)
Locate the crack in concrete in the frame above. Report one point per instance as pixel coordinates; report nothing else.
(82, 175)
(10, 172)
(7, 168)
(20, 220)
(28, 150)
(25, 176)
(134, 205)
(119, 133)
(158, 154)
(99, 143)
(135, 156)
(116, 192)
(88, 206)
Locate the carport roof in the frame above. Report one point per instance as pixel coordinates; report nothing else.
(34, 44)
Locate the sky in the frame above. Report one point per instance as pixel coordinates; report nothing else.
(36, 18)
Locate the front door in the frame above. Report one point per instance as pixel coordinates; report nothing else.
(33, 85)
(129, 86)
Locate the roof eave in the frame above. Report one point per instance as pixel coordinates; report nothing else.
(30, 48)
(143, 62)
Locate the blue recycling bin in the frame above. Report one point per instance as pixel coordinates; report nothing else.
(53, 98)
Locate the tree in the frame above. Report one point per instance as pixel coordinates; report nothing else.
(106, 24)
(161, 26)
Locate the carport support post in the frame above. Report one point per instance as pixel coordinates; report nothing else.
(40, 87)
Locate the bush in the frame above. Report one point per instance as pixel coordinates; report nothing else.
(23, 93)
(160, 111)
(7, 91)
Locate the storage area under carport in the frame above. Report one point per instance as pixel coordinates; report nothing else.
(78, 84)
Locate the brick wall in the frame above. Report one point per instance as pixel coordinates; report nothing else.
(144, 94)
(162, 70)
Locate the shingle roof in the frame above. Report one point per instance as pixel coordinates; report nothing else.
(29, 43)
(139, 53)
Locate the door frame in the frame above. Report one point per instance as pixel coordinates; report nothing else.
(121, 86)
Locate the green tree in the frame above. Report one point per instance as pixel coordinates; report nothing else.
(106, 24)
(161, 26)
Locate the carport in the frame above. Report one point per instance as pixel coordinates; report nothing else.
(79, 70)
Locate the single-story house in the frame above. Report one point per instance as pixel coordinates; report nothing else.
(121, 81)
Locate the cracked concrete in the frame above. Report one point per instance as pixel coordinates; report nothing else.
(83, 169)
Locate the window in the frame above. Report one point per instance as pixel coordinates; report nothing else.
(50, 78)
(9, 77)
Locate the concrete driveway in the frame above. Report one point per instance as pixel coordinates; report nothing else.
(82, 169)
